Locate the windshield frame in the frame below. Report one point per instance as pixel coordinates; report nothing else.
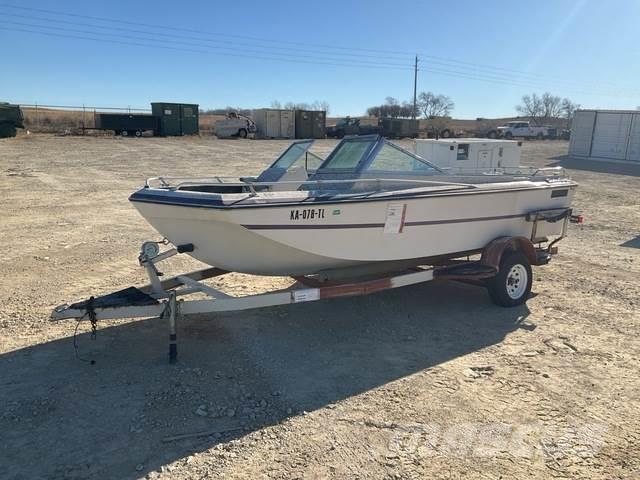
(377, 143)
(372, 139)
(292, 145)
(373, 155)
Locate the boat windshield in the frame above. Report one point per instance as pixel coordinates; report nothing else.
(369, 154)
(293, 154)
(392, 159)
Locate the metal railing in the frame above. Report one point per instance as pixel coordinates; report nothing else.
(181, 182)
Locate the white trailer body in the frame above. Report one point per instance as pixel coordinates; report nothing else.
(606, 135)
(274, 123)
(470, 154)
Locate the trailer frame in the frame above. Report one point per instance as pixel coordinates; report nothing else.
(161, 298)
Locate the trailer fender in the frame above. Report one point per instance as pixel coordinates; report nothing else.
(492, 253)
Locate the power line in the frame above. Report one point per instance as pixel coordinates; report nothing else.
(451, 73)
(192, 50)
(435, 65)
(333, 56)
(191, 37)
(448, 62)
(199, 45)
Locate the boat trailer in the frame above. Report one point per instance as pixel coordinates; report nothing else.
(161, 298)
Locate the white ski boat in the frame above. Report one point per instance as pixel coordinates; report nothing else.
(369, 202)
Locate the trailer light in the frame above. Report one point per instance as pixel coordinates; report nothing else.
(577, 219)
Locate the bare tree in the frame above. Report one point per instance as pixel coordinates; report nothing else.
(434, 106)
(316, 105)
(391, 108)
(569, 108)
(375, 111)
(531, 106)
(320, 105)
(546, 107)
(551, 106)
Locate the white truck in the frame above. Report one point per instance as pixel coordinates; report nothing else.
(520, 129)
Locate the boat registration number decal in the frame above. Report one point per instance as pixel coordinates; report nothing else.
(394, 222)
(306, 214)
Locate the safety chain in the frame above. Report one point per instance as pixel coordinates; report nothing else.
(91, 313)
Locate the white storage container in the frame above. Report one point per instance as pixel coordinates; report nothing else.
(606, 135)
(274, 123)
(470, 154)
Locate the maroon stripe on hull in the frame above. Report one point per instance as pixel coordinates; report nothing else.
(380, 225)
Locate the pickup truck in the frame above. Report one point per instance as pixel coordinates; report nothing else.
(519, 129)
(350, 126)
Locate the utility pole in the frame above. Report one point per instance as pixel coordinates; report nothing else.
(415, 87)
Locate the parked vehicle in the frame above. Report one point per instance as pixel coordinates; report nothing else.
(126, 124)
(235, 125)
(438, 128)
(349, 126)
(520, 129)
(10, 119)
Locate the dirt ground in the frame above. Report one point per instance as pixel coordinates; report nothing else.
(429, 381)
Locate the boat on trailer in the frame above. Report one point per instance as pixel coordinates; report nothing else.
(369, 202)
(369, 217)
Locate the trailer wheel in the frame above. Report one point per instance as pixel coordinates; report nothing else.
(492, 134)
(242, 133)
(138, 133)
(124, 133)
(512, 285)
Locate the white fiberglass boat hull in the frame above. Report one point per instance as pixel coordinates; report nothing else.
(299, 237)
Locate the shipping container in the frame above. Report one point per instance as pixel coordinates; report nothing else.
(606, 134)
(311, 124)
(470, 154)
(398, 127)
(274, 123)
(175, 119)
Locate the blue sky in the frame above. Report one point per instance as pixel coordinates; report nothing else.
(484, 55)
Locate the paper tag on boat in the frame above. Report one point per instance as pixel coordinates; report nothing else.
(394, 222)
(307, 295)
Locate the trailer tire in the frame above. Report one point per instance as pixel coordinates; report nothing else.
(492, 134)
(512, 284)
(124, 133)
(138, 133)
(242, 133)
